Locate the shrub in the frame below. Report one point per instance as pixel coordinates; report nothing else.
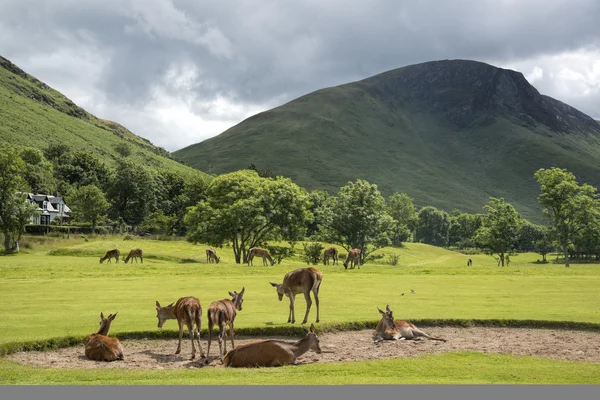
(312, 252)
(393, 259)
(279, 252)
(128, 237)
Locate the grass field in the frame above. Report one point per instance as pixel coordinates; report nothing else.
(58, 289)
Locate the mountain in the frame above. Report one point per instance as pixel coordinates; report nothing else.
(33, 114)
(449, 133)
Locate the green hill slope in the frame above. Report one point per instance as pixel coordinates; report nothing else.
(449, 133)
(33, 114)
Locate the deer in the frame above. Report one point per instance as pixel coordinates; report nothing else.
(256, 251)
(111, 254)
(388, 329)
(134, 253)
(222, 313)
(272, 353)
(100, 347)
(330, 253)
(302, 280)
(186, 310)
(353, 258)
(211, 255)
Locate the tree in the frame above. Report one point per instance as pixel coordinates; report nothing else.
(88, 204)
(529, 234)
(320, 201)
(433, 226)
(246, 210)
(462, 229)
(568, 204)
(81, 169)
(500, 228)
(402, 209)
(37, 172)
(543, 245)
(123, 149)
(16, 211)
(358, 218)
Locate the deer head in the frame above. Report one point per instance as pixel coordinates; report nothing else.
(387, 317)
(237, 298)
(217, 259)
(280, 291)
(105, 323)
(101, 260)
(164, 313)
(125, 259)
(313, 339)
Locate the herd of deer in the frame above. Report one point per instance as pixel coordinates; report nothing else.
(222, 313)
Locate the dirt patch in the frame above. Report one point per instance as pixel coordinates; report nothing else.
(346, 346)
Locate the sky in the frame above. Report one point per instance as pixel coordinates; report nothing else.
(180, 71)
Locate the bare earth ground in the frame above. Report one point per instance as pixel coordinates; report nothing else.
(345, 346)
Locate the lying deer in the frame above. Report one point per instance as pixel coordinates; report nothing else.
(255, 251)
(187, 310)
(100, 347)
(211, 255)
(330, 253)
(272, 353)
(302, 280)
(111, 254)
(223, 313)
(388, 329)
(135, 253)
(353, 258)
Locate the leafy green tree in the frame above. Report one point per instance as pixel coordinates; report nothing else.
(462, 229)
(56, 150)
(320, 201)
(528, 235)
(433, 226)
(88, 204)
(123, 149)
(358, 218)
(245, 210)
(500, 228)
(544, 244)
(568, 204)
(37, 172)
(159, 223)
(132, 193)
(15, 212)
(402, 209)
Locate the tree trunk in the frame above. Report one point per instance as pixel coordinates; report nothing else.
(502, 259)
(566, 250)
(6, 242)
(544, 257)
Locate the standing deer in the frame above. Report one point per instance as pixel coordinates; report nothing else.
(330, 253)
(100, 347)
(222, 313)
(388, 329)
(211, 255)
(135, 253)
(111, 254)
(353, 258)
(256, 251)
(302, 280)
(188, 310)
(272, 353)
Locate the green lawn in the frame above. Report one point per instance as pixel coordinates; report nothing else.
(46, 296)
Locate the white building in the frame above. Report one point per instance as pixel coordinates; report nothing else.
(49, 207)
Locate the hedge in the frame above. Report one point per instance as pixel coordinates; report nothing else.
(75, 230)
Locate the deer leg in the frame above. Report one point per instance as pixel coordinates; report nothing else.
(308, 304)
(231, 335)
(198, 326)
(316, 294)
(191, 330)
(180, 336)
(210, 328)
(292, 299)
(221, 334)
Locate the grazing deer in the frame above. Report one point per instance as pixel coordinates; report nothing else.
(222, 313)
(353, 258)
(332, 253)
(256, 251)
(100, 347)
(111, 254)
(272, 353)
(188, 310)
(302, 280)
(388, 329)
(211, 254)
(135, 253)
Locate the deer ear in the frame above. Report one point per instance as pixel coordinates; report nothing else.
(157, 304)
(312, 328)
(273, 284)
(101, 315)
(231, 294)
(243, 289)
(380, 311)
(113, 316)
(305, 330)
(171, 305)
(387, 308)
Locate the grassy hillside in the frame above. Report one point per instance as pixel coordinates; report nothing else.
(450, 134)
(33, 114)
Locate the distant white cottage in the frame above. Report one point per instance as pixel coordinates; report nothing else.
(49, 207)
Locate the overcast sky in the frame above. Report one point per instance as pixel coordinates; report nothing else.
(180, 71)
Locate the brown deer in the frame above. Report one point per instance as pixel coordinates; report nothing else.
(187, 310)
(256, 251)
(211, 255)
(302, 280)
(134, 253)
(330, 253)
(388, 329)
(111, 254)
(272, 353)
(100, 347)
(353, 258)
(222, 313)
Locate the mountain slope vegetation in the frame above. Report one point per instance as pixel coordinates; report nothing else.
(449, 133)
